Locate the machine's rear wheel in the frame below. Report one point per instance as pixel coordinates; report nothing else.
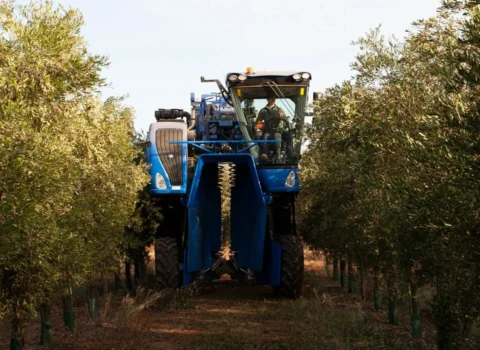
(291, 278)
(166, 263)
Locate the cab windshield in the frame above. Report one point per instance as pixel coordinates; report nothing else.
(275, 116)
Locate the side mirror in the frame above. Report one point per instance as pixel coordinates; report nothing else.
(316, 96)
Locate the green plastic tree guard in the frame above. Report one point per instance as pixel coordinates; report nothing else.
(68, 312)
(343, 274)
(336, 271)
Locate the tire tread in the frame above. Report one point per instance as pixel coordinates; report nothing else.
(167, 274)
(292, 271)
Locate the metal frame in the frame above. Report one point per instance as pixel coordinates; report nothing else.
(197, 144)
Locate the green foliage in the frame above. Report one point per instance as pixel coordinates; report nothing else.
(68, 178)
(391, 177)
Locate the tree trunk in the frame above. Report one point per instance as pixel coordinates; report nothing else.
(68, 312)
(377, 291)
(143, 270)
(327, 265)
(118, 281)
(416, 323)
(444, 339)
(104, 284)
(140, 270)
(343, 274)
(92, 300)
(128, 276)
(352, 278)
(45, 323)
(392, 298)
(447, 318)
(17, 338)
(362, 282)
(136, 271)
(336, 271)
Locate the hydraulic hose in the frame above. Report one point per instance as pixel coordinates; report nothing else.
(172, 114)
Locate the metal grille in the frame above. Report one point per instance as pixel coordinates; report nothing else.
(170, 155)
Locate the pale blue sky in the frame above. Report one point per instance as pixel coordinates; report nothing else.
(159, 49)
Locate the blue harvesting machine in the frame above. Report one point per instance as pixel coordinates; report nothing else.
(226, 178)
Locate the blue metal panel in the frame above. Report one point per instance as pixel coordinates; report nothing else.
(225, 123)
(273, 179)
(238, 146)
(156, 167)
(248, 219)
(204, 216)
(272, 266)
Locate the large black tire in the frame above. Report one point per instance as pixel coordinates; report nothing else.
(291, 278)
(167, 273)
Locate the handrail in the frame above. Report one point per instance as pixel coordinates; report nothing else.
(199, 144)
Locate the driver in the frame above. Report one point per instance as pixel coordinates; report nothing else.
(274, 123)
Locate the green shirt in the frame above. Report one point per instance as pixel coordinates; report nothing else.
(271, 118)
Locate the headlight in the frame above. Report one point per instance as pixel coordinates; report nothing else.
(306, 76)
(242, 77)
(160, 182)
(233, 77)
(290, 181)
(297, 76)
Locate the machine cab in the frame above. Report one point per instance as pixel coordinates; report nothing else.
(270, 108)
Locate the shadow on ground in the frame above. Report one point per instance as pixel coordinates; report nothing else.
(232, 316)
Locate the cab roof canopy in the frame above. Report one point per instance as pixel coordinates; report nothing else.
(261, 78)
(278, 73)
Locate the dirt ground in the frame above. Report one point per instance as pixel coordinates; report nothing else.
(232, 316)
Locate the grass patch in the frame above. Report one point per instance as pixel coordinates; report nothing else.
(177, 299)
(124, 311)
(317, 321)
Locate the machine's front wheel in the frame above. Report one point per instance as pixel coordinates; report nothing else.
(167, 273)
(292, 267)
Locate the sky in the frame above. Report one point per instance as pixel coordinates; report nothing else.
(158, 49)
